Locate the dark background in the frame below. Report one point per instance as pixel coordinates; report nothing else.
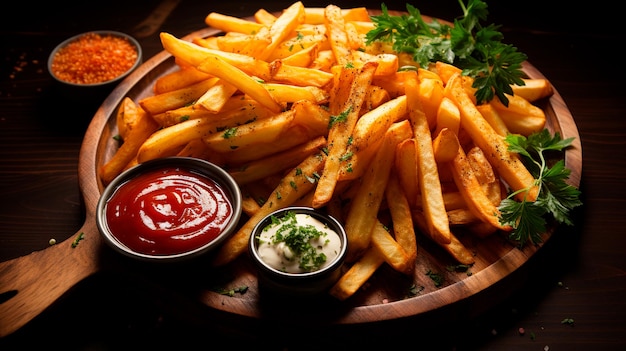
(579, 275)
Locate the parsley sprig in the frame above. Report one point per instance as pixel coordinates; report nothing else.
(478, 50)
(555, 198)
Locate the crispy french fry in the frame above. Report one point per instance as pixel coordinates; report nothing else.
(429, 183)
(445, 146)
(373, 125)
(363, 211)
(262, 16)
(431, 94)
(217, 67)
(520, 116)
(448, 116)
(302, 76)
(406, 170)
(142, 128)
(357, 275)
(169, 140)
(217, 96)
(195, 55)
(391, 251)
(492, 116)
(336, 31)
(231, 24)
(293, 186)
(261, 168)
(475, 198)
(533, 89)
(455, 247)
(506, 163)
(310, 121)
(283, 26)
(341, 127)
(403, 228)
(156, 104)
(284, 93)
(178, 79)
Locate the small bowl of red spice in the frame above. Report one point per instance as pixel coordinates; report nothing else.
(95, 59)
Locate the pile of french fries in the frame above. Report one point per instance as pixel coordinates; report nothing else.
(300, 111)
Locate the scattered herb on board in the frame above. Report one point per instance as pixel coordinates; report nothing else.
(78, 238)
(478, 50)
(231, 292)
(555, 198)
(435, 277)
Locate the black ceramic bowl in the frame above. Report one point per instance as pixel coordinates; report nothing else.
(169, 209)
(94, 61)
(287, 277)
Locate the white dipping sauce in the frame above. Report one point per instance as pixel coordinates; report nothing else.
(281, 254)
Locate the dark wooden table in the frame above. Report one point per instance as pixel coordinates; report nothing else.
(579, 275)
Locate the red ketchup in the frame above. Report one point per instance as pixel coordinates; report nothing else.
(168, 211)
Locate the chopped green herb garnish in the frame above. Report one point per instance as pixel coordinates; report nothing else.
(230, 132)
(78, 238)
(476, 49)
(298, 239)
(555, 197)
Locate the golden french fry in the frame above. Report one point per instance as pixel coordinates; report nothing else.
(445, 146)
(507, 164)
(142, 128)
(315, 15)
(178, 79)
(336, 31)
(227, 23)
(283, 26)
(237, 110)
(169, 140)
(217, 67)
(455, 247)
(293, 186)
(448, 116)
(373, 125)
(299, 43)
(391, 251)
(341, 126)
(471, 190)
(520, 116)
(284, 93)
(533, 89)
(302, 76)
(302, 58)
(195, 55)
(261, 168)
(431, 93)
(429, 183)
(363, 211)
(403, 228)
(406, 170)
(170, 100)
(264, 17)
(492, 116)
(217, 96)
(310, 121)
(357, 275)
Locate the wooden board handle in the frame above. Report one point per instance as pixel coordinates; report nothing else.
(31, 283)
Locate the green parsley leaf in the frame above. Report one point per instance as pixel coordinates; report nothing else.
(556, 198)
(478, 50)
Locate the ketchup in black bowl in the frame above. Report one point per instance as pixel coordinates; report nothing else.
(169, 208)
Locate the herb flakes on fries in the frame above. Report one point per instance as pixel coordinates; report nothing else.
(316, 107)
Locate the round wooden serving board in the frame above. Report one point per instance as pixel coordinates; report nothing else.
(31, 283)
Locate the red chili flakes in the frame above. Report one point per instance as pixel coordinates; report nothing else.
(94, 58)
